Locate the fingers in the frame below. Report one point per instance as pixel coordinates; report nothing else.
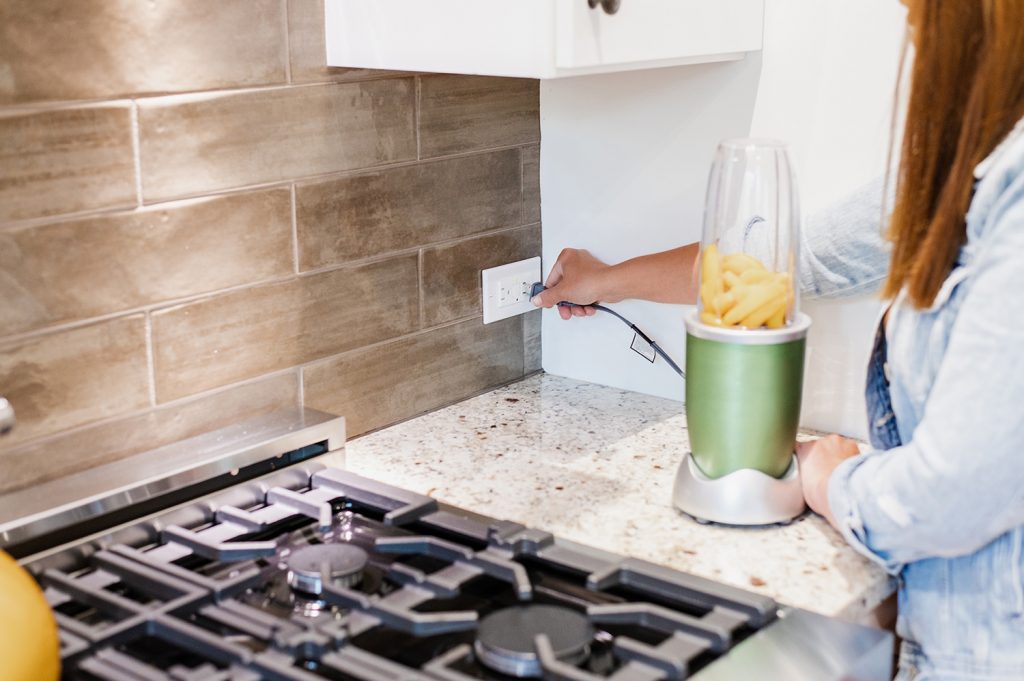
(554, 293)
(547, 298)
(550, 296)
(567, 311)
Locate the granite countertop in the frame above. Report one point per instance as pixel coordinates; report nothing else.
(596, 465)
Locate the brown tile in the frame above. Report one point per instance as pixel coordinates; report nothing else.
(114, 440)
(368, 214)
(531, 342)
(90, 49)
(531, 184)
(308, 51)
(82, 268)
(375, 387)
(462, 113)
(194, 144)
(255, 331)
(64, 161)
(451, 273)
(65, 379)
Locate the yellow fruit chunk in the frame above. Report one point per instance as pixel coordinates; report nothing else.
(738, 290)
(711, 271)
(739, 263)
(723, 302)
(752, 276)
(761, 315)
(709, 318)
(757, 295)
(707, 298)
(29, 648)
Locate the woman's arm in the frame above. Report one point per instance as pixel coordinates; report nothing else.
(579, 277)
(842, 253)
(959, 483)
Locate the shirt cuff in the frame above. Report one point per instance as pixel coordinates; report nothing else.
(845, 505)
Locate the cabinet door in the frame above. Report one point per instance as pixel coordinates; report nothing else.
(655, 31)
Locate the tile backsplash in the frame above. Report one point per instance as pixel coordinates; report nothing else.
(201, 222)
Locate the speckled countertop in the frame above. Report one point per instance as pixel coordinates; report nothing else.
(596, 465)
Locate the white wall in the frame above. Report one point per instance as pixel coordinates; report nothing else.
(624, 161)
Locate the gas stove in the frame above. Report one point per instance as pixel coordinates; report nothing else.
(311, 573)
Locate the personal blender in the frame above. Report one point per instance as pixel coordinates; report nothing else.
(745, 344)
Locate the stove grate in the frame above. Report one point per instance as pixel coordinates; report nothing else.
(210, 600)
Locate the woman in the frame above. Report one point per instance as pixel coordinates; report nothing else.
(939, 500)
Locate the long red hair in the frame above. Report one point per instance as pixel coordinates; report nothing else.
(966, 93)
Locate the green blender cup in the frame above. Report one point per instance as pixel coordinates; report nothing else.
(745, 345)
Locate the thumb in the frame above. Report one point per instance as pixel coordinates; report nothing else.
(548, 297)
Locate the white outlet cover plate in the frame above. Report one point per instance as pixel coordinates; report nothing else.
(506, 289)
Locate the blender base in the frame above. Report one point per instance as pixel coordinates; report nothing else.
(743, 497)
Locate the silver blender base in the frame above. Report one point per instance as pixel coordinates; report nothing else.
(743, 497)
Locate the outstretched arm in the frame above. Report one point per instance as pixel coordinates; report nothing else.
(579, 277)
(842, 253)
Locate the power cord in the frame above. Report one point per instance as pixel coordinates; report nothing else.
(639, 348)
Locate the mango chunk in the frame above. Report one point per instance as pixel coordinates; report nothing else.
(738, 291)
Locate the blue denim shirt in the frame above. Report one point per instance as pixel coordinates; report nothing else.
(939, 501)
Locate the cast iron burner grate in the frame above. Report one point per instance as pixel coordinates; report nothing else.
(341, 577)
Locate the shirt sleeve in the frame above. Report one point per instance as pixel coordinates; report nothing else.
(843, 252)
(959, 483)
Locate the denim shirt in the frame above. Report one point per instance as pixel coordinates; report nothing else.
(939, 501)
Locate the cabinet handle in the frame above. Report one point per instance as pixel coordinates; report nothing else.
(609, 6)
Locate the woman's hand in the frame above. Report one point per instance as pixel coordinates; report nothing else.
(577, 277)
(817, 461)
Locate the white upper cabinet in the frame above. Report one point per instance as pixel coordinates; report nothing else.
(538, 38)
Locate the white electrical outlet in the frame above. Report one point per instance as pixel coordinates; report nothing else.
(506, 289)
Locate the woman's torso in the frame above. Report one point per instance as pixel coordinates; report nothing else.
(961, 617)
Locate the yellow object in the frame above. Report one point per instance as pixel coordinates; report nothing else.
(711, 271)
(761, 315)
(706, 297)
(731, 280)
(710, 318)
(740, 263)
(752, 276)
(29, 647)
(724, 301)
(758, 295)
(737, 290)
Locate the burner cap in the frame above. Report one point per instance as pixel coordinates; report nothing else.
(341, 564)
(504, 640)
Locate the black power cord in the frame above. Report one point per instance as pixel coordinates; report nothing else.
(538, 287)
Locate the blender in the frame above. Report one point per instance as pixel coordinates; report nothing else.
(745, 344)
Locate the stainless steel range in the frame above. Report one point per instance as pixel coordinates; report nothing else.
(312, 573)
